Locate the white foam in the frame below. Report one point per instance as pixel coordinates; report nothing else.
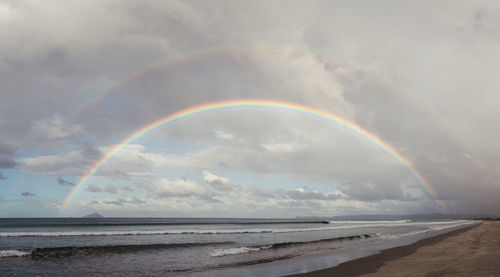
(438, 227)
(13, 253)
(369, 221)
(237, 250)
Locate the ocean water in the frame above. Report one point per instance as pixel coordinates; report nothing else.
(196, 246)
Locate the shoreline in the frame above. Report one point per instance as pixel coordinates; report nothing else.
(372, 263)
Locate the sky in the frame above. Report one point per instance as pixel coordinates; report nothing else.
(79, 77)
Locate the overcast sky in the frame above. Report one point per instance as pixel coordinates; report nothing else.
(77, 77)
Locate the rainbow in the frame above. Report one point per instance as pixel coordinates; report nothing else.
(247, 104)
(199, 53)
(183, 58)
(195, 54)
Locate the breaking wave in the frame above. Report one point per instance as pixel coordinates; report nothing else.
(55, 252)
(248, 249)
(13, 253)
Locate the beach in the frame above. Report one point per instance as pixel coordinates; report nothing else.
(472, 251)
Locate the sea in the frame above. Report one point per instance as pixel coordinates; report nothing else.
(198, 246)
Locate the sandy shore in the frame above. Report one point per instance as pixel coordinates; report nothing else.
(473, 251)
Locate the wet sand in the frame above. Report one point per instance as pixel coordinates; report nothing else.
(472, 251)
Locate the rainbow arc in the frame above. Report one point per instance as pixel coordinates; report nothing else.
(248, 104)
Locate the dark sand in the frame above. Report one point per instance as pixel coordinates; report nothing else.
(472, 251)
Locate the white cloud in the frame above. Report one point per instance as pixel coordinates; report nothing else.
(175, 188)
(223, 135)
(217, 182)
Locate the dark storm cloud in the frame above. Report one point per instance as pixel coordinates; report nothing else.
(63, 182)
(27, 194)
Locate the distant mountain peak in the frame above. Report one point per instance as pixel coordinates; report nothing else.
(94, 215)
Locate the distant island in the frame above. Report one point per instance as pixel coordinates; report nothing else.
(93, 215)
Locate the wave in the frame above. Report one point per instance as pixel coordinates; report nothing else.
(165, 232)
(238, 250)
(346, 225)
(248, 249)
(438, 227)
(369, 221)
(13, 253)
(55, 252)
(14, 223)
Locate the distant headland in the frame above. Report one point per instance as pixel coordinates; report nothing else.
(93, 215)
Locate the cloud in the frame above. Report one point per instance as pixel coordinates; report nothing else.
(93, 188)
(2, 177)
(181, 187)
(223, 135)
(422, 86)
(218, 183)
(90, 151)
(372, 192)
(7, 153)
(131, 161)
(122, 201)
(127, 188)
(306, 193)
(55, 130)
(63, 182)
(110, 189)
(27, 194)
(303, 193)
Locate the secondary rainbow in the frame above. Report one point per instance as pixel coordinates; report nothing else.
(184, 58)
(248, 104)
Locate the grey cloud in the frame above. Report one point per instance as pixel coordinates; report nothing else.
(110, 189)
(90, 151)
(7, 156)
(63, 182)
(7, 162)
(93, 188)
(27, 194)
(421, 79)
(127, 188)
(2, 177)
(130, 162)
(55, 130)
(375, 192)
